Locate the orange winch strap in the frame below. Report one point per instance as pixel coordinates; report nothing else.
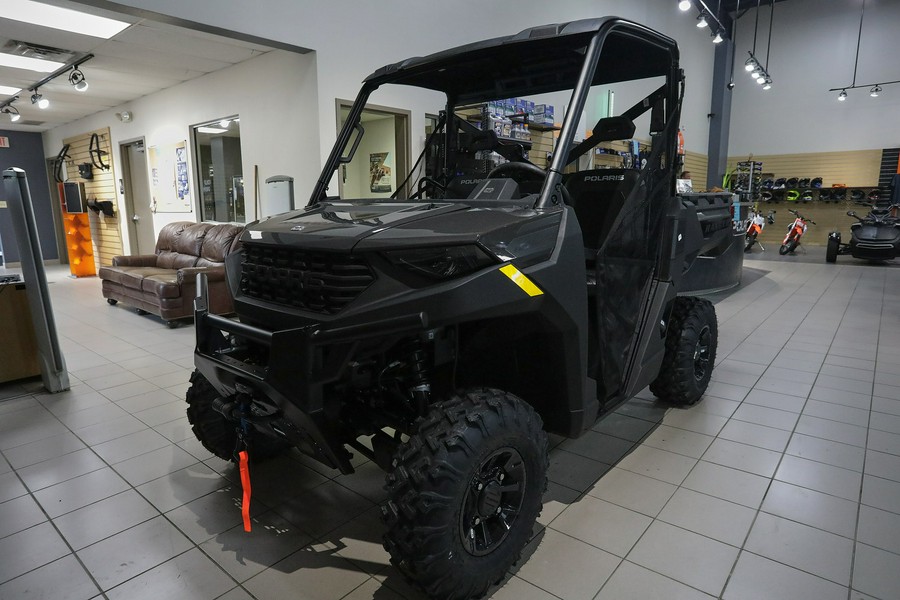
(245, 483)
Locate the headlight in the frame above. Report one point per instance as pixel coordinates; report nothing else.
(441, 263)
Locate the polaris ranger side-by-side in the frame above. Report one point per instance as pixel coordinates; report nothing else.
(497, 295)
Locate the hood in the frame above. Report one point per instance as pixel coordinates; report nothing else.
(340, 225)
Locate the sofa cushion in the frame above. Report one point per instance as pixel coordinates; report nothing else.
(132, 277)
(163, 285)
(175, 260)
(217, 244)
(179, 244)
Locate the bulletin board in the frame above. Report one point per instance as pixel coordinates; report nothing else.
(169, 178)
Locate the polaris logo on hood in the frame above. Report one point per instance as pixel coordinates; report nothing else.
(605, 178)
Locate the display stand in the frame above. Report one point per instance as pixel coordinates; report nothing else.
(79, 245)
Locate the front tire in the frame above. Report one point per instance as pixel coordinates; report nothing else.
(831, 251)
(691, 342)
(465, 492)
(215, 432)
(751, 239)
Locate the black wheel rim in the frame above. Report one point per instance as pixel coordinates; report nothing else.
(701, 354)
(493, 501)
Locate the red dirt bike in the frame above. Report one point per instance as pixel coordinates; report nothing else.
(795, 232)
(755, 227)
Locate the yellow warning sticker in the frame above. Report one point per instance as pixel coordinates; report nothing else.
(520, 280)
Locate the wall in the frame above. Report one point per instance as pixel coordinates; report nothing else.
(27, 152)
(379, 137)
(813, 50)
(352, 39)
(275, 96)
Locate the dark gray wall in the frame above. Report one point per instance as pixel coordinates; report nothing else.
(26, 151)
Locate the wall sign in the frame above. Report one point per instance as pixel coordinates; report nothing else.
(4, 142)
(169, 179)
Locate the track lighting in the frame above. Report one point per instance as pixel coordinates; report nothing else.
(760, 80)
(684, 5)
(756, 73)
(875, 91)
(768, 84)
(225, 123)
(750, 64)
(13, 113)
(843, 95)
(718, 39)
(76, 78)
(39, 99)
(701, 21)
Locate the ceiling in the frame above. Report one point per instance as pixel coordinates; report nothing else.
(142, 59)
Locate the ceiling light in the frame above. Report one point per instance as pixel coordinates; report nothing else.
(768, 84)
(874, 91)
(684, 5)
(760, 80)
(6, 90)
(28, 63)
(39, 99)
(843, 95)
(718, 39)
(756, 73)
(65, 19)
(224, 123)
(701, 21)
(211, 130)
(750, 64)
(76, 78)
(12, 112)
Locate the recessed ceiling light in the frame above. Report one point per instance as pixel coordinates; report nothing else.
(28, 63)
(36, 13)
(211, 130)
(224, 123)
(6, 90)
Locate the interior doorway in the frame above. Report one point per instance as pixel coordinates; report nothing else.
(136, 187)
(382, 160)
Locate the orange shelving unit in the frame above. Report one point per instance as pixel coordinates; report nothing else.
(78, 242)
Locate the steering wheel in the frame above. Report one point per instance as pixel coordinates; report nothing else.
(526, 171)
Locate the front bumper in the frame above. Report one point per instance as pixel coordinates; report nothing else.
(291, 383)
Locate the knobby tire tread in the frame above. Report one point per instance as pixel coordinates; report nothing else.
(676, 383)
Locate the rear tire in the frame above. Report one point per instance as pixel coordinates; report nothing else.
(215, 432)
(831, 251)
(465, 493)
(691, 341)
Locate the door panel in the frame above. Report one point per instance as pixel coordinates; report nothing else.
(137, 199)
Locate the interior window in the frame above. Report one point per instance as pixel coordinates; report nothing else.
(220, 174)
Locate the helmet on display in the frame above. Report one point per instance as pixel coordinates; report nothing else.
(792, 195)
(767, 183)
(767, 196)
(803, 183)
(792, 182)
(838, 194)
(816, 182)
(857, 194)
(824, 195)
(779, 183)
(874, 195)
(807, 196)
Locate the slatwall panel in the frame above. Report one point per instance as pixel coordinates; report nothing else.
(697, 164)
(857, 168)
(890, 166)
(105, 230)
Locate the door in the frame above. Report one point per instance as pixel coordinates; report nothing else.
(136, 184)
(380, 162)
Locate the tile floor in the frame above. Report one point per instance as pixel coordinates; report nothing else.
(784, 482)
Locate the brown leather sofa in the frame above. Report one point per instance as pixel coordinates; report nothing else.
(165, 283)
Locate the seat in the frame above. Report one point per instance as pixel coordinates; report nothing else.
(597, 196)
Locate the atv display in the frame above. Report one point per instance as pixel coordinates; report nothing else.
(444, 330)
(875, 237)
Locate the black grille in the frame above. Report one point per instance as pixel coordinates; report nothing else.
(321, 282)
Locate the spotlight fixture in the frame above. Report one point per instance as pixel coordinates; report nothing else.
(875, 90)
(842, 96)
(756, 73)
(225, 123)
(76, 78)
(701, 21)
(39, 99)
(768, 84)
(13, 113)
(750, 64)
(718, 39)
(684, 5)
(760, 80)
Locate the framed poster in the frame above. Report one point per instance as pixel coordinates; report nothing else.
(169, 178)
(380, 172)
